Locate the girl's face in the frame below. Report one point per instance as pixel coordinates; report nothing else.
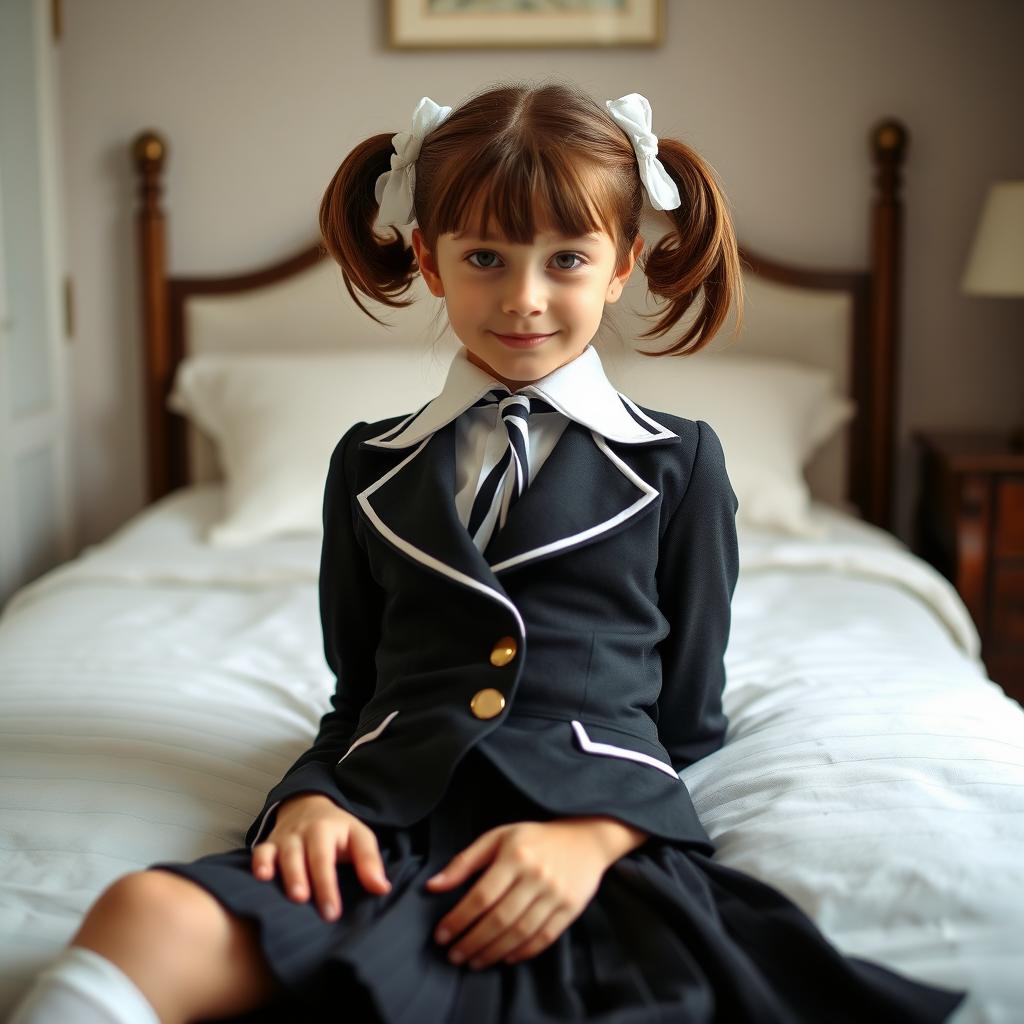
(555, 287)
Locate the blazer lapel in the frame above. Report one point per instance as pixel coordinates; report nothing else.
(412, 506)
(581, 492)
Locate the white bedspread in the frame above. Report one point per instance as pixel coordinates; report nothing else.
(154, 689)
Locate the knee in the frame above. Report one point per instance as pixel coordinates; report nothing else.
(174, 905)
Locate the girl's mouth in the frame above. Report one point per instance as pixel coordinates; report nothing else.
(522, 340)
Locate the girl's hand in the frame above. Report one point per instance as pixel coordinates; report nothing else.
(313, 828)
(542, 876)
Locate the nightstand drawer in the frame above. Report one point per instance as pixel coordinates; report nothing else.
(1008, 608)
(1009, 537)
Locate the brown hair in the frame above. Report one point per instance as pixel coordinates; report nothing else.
(515, 153)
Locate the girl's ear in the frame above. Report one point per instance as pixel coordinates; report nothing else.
(618, 281)
(427, 263)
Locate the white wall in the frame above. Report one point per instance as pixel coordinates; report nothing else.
(260, 100)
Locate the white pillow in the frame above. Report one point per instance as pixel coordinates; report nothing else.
(771, 416)
(275, 418)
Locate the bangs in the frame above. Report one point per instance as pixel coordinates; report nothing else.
(523, 194)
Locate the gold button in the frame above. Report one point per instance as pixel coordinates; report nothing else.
(504, 651)
(487, 703)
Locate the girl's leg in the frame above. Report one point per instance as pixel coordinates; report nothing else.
(191, 958)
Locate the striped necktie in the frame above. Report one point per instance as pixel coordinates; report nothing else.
(510, 476)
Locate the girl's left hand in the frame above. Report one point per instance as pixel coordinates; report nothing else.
(541, 878)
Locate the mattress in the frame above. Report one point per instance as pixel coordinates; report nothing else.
(154, 689)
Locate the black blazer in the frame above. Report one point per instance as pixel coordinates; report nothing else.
(582, 651)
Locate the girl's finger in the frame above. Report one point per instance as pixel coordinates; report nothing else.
(504, 914)
(263, 860)
(523, 930)
(365, 856)
(538, 917)
(321, 847)
(292, 859)
(545, 935)
(475, 856)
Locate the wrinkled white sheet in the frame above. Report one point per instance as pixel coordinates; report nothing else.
(154, 689)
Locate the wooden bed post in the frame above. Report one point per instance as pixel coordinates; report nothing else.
(149, 151)
(881, 376)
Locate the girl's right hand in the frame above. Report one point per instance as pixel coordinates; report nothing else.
(313, 827)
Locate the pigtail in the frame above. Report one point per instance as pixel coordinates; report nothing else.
(700, 253)
(376, 267)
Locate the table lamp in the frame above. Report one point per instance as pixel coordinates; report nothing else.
(995, 266)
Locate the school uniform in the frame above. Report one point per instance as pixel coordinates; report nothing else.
(563, 656)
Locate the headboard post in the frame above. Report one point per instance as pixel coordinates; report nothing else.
(149, 151)
(881, 370)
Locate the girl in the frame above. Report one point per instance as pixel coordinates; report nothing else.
(525, 592)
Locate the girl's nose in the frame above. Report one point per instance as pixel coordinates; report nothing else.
(524, 294)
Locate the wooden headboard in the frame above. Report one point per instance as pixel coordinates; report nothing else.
(865, 360)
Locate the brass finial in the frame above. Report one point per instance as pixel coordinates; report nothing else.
(149, 150)
(889, 139)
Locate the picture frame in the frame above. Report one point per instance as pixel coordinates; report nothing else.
(505, 24)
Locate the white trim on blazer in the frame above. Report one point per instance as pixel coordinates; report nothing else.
(366, 737)
(421, 556)
(649, 494)
(611, 750)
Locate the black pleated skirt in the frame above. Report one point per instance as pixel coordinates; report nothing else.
(670, 936)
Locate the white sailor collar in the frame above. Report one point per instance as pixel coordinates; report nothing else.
(579, 389)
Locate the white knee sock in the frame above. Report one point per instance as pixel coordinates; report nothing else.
(84, 987)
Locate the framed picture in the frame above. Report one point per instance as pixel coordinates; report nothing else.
(476, 24)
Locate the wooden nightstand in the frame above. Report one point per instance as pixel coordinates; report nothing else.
(970, 526)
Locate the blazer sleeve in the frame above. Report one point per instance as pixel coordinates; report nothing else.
(351, 604)
(698, 565)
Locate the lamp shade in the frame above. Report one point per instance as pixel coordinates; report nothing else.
(996, 262)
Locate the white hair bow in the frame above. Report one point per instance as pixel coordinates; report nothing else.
(632, 113)
(395, 189)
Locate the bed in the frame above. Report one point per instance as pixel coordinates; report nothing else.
(156, 687)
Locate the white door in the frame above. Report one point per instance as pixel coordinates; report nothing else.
(35, 514)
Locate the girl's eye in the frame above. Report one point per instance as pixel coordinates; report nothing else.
(572, 256)
(489, 256)
(481, 252)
